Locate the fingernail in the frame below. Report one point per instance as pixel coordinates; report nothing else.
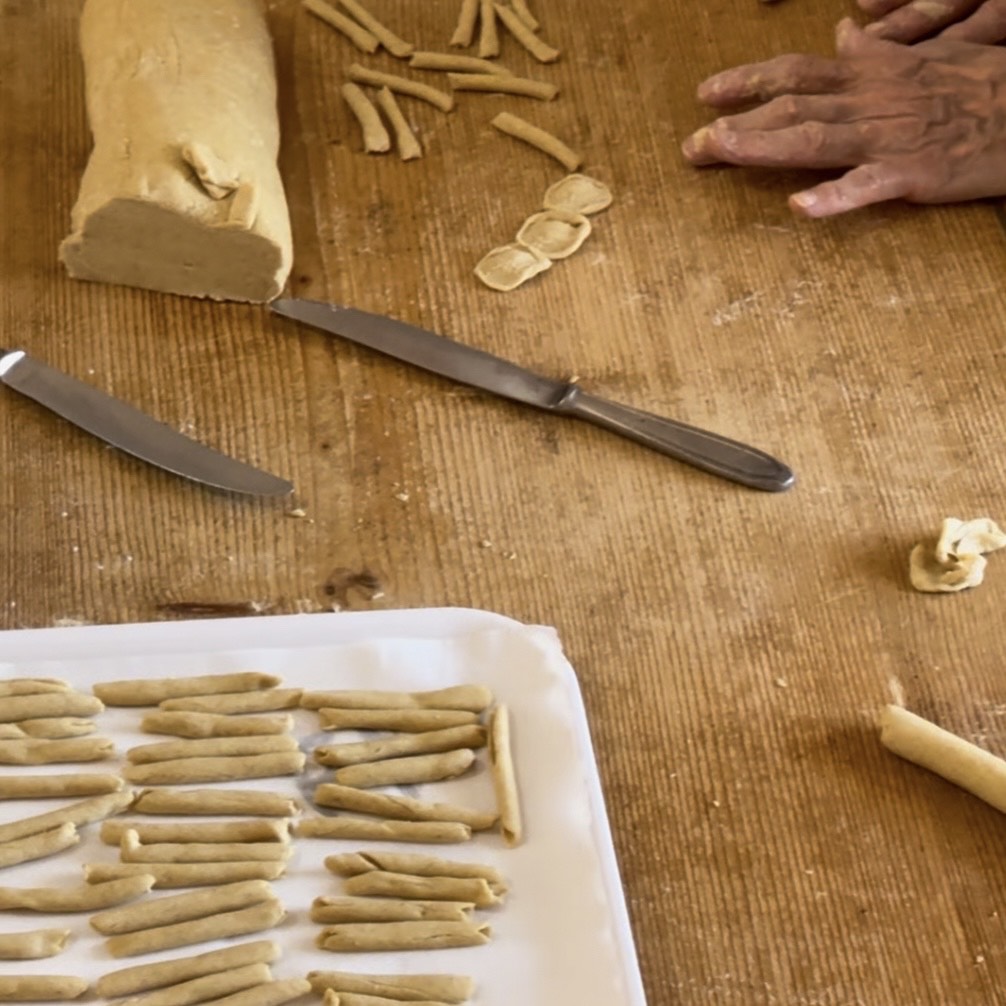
(874, 28)
(804, 200)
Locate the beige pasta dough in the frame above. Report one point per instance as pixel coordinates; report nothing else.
(399, 720)
(45, 843)
(337, 755)
(332, 909)
(404, 988)
(357, 937)
(181, 193)
(349, 864)
(48, 704)
(94, 809)
(152, 691)
(210, 747)
(509, 266)
(57, 727)
(384, 884)
(43, 787)
(223, 769)
(32, 686)
(142, 977)
(188, 831)
(82, 898)
(261, 803)
(375, 830)
(578, 194)
(466, 698)
(164, 875)
(32, 751)
(206, 988)
(195, 725)
(406, 771)
(41, 988)
(554, 233)
(402, 808)
(266, 700)
(33, 945)
(132, 850)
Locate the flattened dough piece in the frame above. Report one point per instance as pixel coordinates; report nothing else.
(181, 193)
(957, 560)
(578, 194)
(554, 233)
(507, 267)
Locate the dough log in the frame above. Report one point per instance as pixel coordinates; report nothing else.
(181, 193)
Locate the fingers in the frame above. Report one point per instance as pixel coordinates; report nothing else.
(792, 74)
(986, 26)
(807, 145)
(878, 8)
(919, 18)
(795, 109)
(863, 186)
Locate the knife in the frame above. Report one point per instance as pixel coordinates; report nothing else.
(132, 431)
(709, 451)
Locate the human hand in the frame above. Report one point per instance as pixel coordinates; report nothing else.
(981, 21)
(926, 123)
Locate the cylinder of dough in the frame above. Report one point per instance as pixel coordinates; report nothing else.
(182, 192)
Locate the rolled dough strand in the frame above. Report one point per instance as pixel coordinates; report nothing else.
(41, 988)
(454, 61)
(142, 217)
(489, 40)
(364, 40)
(964, 764)
(465, 30)
(405, 139)
(401, 85)
(520, 8)
(538, 48)
(500, 83)
(375, 137)
(396, 46)
(546, 142)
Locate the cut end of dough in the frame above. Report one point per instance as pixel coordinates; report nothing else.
(135, 242)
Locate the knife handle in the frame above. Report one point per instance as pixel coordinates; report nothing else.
(700, 448)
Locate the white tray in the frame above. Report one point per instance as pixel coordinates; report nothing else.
(562, 937)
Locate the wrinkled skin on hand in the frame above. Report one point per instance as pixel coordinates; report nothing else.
(982, 21)
(925, 123)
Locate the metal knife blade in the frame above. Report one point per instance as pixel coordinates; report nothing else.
(436, 353)
(131, 430)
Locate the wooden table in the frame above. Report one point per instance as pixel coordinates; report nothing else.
(734, 647)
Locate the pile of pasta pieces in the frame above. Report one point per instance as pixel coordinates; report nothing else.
(561, 226)
(238, 726)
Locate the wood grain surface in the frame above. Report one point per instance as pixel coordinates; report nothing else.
(733, 646)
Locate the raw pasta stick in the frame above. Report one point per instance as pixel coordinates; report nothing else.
(43, 705)
(132, 850)
(272, 994)
(501, 83)
(521, 129)
(152, 913)
(33, 945)
(41, 988)
(489, 40)
(371, 830)
(402, 808)
(95, 809)
(387, 38)
(364, 40)
(333, 998)
(462, 698)
(465, 30)
(187, 831)
(224, 769)
(166, 875)
(209, 747)
(406, 771)
(350, 864)
(955, 759)
(453, 61)
(206, 987)
(152, 691)
(223, 925)
(33, 751)
(538, 48)
(399, 720)
(11, 730)
(520, 8)
(337, 755)
(143, 977)
(405, 139)
(267, 700)
(216, 802)
(385, 884)
(42, 787)
(56, 727)
(82, 898)
(405, 988)
(195, 725)
(45, 843)
(375, 137)
(357, 937)
(401, 85)
(331, 910)
(504, 779)
(32, 686)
